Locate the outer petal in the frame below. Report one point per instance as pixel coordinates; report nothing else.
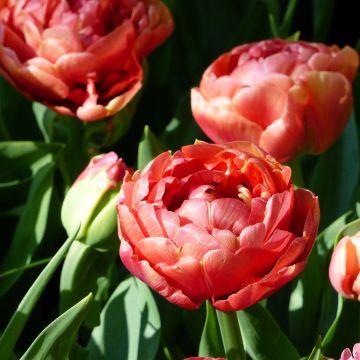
(329, 110)
(143, 270)
(220, 121)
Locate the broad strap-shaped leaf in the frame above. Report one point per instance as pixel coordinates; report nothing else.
(345, 329)
(210, 343)
(149, 147)
(342, 162)
(16, 324)
(86, 266)
(130, 325)
(55, 341)
(305, 305)
(31, 227)
(262, 336)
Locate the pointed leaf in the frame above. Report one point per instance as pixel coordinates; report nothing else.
(149, 147)
(55, 340)
(305, 305)
(338, 195)
(13, 330)
(263, 337)
(31, 227)
(130, 325)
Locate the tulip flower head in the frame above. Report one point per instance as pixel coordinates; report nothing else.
(287, 97)
(354, 355)
(81, 58)
(215, 222)
(344, 269)
(91, 200)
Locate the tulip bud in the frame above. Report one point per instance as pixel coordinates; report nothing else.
(344, 269)
(91, 201)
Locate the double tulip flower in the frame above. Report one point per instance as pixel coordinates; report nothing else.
(81, 58)
(287, 97)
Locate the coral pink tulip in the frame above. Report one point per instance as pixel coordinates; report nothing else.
(215, 222)
(286, 97)
(81, 58)
(344, 269)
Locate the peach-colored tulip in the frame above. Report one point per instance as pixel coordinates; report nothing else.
(284, 96)
(81, 58)
(344, 269)
(215, 222)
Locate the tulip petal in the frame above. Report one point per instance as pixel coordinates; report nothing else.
(194, 211)
(285, 136)
(253, 236)
(331, 101)
(129, 229)
(227, 239)
(345, 61)
(146, 273)
(229, 272)
(265, 102)
(169, 221)
(37, 77)
(74, 67)
(148, 221)
(157, 250)
(189, 268)
(278, 212)
(191, 233)
(229, 214)
(111, 50)
(220, 122)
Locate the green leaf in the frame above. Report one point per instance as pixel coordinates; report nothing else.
(22, 159)
(182, 129)
(263, 337)
(31, 227)
(16, 118)
(288, 18)
(338, 195)
(55, 341)
(316, 352)
(210, 343)
(324, 245)
(344, 331)
(86, 266)
(149, 147)
(323, 11)
(24, 309)
(305, 305)
(130, 325)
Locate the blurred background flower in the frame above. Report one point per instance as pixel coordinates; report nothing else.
(344, 269)
(285, 96)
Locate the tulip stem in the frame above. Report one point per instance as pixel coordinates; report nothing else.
(231, 335)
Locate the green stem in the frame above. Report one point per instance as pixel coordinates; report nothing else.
(231, 335)
(16, 324)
